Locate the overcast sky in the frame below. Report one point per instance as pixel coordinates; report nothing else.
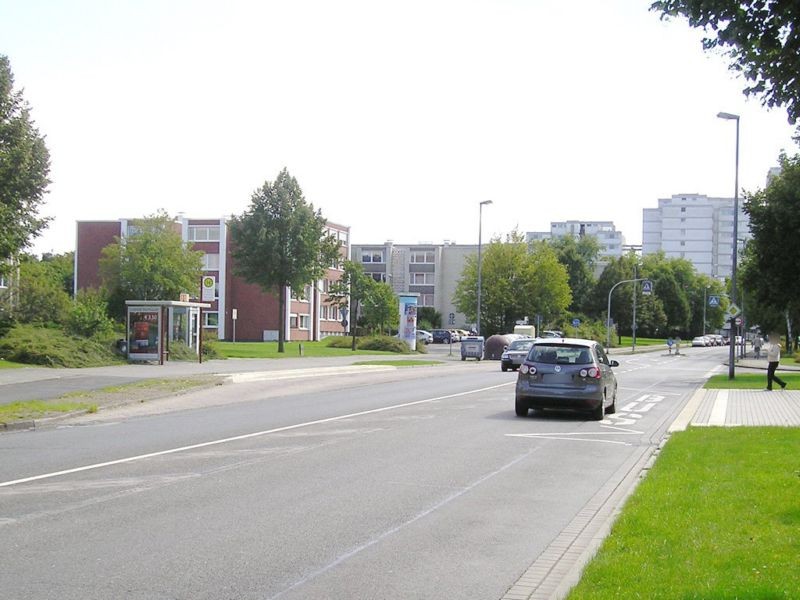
(396, 118)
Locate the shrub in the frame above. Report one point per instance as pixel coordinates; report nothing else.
(385, 344)
(53, 348)
(89, 315)
(339, 341)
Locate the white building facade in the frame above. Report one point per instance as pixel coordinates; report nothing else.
(431, 270)
(611, 241)
(697, 228)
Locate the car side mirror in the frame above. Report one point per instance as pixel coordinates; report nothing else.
(614, 363)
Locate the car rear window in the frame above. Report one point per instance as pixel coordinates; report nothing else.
(521, 345)
(561, 354)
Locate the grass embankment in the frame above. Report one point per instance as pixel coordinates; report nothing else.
(10, 364)
(716, 517)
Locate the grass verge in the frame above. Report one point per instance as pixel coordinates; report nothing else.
(751, 381)
(108, 397)
(36, 409)
(292, 350)
(10, 364)
(716, 517)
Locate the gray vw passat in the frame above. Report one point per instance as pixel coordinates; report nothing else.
(567, 373)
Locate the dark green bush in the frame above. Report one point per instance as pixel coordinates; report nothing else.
(88, 315)
(34, 345)
(338, 341)
(384, 343)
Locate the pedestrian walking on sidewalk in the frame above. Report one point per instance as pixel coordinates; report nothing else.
(773, 360)
(757, 343)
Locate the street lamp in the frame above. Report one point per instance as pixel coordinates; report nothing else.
(732, 354)
(705, 295)
(480, 229)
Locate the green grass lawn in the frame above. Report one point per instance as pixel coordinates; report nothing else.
(751, 381)
(34, 409)
(10, 364)
(292, 350)
(627, 342)
(716, 517)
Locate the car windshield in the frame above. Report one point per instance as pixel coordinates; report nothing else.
(521, 345)
(561, 354)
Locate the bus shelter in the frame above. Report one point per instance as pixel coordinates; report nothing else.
(152, 325)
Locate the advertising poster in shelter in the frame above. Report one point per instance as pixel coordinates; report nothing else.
(144, 327)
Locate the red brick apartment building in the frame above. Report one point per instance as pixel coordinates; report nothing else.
(309, 318)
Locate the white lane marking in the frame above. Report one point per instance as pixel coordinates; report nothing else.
(421, 515)
(720, 408)
(244, 436)
(574, 436)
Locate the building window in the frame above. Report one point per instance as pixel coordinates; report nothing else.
(372, 256)
(422, 278)
(293, 321)
(203, 233)
(305, 321)
(210, 320)
(683, 208)
(426, 299)
(428, 257)
(379, 277)
(211, 262)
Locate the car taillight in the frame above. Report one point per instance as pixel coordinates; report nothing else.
(593, 373)
(527, 370)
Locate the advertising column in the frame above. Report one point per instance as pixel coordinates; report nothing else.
(408, 319)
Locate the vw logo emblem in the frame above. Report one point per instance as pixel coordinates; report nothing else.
(557, 369)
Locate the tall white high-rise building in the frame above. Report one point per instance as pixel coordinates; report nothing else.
(697, 228)
(611, 241)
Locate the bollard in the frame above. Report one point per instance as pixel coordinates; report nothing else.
(300, 348)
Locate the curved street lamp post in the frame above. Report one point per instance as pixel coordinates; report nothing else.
(608, 313)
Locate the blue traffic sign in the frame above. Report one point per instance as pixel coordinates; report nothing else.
(576, 322)
(647, 287)
(713, 301)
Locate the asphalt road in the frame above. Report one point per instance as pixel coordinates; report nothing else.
(415, 483)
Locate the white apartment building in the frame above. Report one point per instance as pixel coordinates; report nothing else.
(431, 270)
(611, 240)
(697, 228)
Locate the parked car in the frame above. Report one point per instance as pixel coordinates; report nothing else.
(566, 373)
(515, 354)
(551, 334)
(454, 335)
(441, 336)
(700, 340)
(424, 337)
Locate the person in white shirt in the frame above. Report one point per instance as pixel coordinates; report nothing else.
(773, 359)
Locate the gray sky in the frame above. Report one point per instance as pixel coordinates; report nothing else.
(396, 118)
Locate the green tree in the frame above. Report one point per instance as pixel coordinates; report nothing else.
(579, 256)
(281, 242)
(516, 281)
(24, 167)
(767, 272)
(41, 297)
(428, 318)
(88, 315)
(151, 263)
(381, 311)
(759, 36)
(354, 289)
(618, 269)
